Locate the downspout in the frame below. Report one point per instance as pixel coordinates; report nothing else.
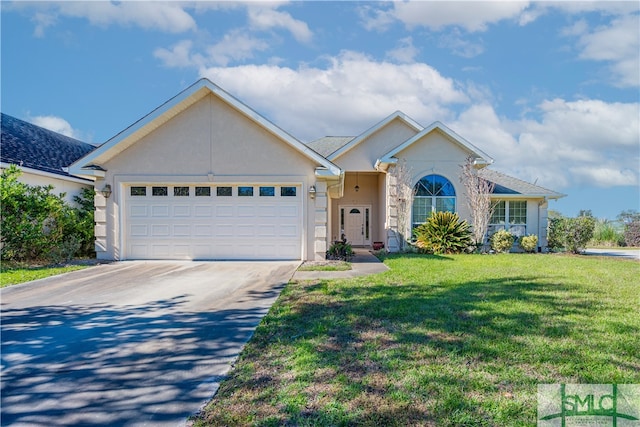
(339, 184)
(540, 203)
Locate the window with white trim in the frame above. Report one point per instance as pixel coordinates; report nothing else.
(510, 215)
(433, 193)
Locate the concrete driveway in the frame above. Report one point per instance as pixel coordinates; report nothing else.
(619, 253)
(130, 343)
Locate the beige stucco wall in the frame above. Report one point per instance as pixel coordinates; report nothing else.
(436, 154)
(210, 137)
(363, 156)
(61, 185)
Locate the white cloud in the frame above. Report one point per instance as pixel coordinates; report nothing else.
(179, 55)
(586, 142)
(405, 53)
(351, 94)
(436, 15)
(235, 46)
(265, 18)
(54, 123)
(617, 43)
(163, 16)
(42, 21)
(459, 46)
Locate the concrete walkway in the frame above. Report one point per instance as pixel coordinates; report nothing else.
(362, 264)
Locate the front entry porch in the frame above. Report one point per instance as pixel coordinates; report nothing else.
(359, 215)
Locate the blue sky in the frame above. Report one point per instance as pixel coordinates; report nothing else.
(550, 90)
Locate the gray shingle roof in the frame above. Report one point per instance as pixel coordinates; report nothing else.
(508, 185)
(31, 146)
(329, 144)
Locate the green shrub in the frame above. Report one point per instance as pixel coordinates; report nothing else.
(85, 222)
(443, 233)
(632, 234)
(502, 241)
(37, 224)
(556, 231)
(528, 243)
(340, 251)
(578, 233)
(572, 234)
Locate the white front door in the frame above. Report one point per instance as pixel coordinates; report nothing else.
(356, 224)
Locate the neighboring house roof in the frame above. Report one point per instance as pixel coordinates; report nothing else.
(328, 144)
(30, 146)
(508, 186)
(357, 140)
(172, 108)
(389, 157)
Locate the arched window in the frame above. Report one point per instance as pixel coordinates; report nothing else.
(433, 193)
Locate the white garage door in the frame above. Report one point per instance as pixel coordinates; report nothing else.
(179, 221)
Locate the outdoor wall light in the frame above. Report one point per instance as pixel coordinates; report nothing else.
(106, 191)
(312, 191)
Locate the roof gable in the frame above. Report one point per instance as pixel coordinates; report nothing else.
(398, 115)
(27, 145)
(172, 108)
(451, 135)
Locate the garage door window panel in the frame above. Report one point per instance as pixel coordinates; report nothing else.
(223, 191)
(181, 191)
(288, 191)
(245, 191)
(203, 191)
(138, 191)
(159, 191)
(267, 191)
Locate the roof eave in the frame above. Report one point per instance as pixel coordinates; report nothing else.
(70, 177)
(528, 196)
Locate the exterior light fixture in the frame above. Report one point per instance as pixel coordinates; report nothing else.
(357, 187)
(106, 191)
(312, 191)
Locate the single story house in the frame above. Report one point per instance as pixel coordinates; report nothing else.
(204, 176)
(42, 155)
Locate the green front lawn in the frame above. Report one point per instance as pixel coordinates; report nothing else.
(12, 274)
(437, 340)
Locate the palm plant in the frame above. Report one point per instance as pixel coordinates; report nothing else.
(443, 233)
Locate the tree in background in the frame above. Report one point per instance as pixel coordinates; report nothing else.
(478, 192)
(631, 220)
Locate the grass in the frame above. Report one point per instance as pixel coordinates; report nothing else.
(436, 341)
(12, 274)
(325, 266)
